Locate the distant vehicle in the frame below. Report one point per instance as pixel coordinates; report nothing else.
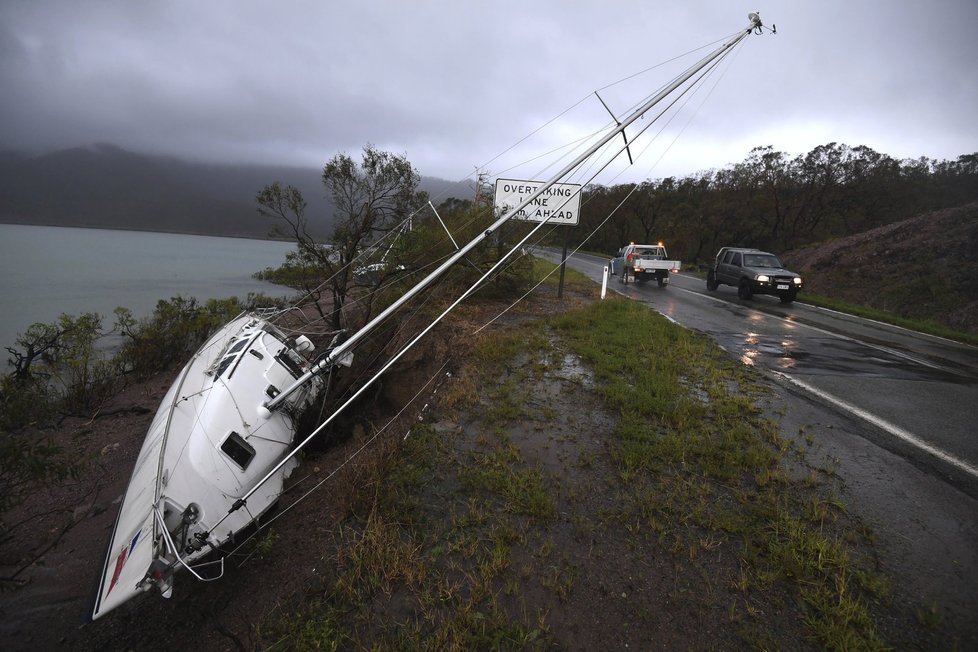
(643, 262)
(753, 271)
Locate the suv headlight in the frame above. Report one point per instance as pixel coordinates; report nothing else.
(762, 278)
(796, 280)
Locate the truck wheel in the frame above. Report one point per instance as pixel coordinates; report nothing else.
(662, 282)
(711, 281)
(744, 291)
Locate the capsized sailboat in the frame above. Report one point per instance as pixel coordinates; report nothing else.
(221, 446)
(206, 447)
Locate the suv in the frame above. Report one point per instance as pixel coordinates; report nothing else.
(753, 271)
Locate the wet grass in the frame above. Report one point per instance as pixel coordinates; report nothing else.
(714, 468)
(466, 541)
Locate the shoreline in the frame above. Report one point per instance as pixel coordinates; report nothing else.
(7, 221)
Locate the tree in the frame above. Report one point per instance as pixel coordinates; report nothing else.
(56, 364)
(370, 198)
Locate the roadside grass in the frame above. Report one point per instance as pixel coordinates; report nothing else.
(464, 544)
(711, 460)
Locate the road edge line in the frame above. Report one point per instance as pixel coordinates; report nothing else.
(886, 426)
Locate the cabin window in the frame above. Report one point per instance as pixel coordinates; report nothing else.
(238, 346)
(238, 450)
(225, 363)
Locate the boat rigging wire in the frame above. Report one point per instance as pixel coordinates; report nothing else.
(707, 72)
(195, 534)
(346, 461)
(620, 204)
(343, 348)
(394, 229)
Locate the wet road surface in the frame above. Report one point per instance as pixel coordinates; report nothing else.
(918, 393)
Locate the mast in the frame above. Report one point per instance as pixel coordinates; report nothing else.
(341, 350)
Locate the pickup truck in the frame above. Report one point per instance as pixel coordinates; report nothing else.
(643, 262)
(752, 271)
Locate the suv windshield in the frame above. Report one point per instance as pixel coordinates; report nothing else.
(762, 260)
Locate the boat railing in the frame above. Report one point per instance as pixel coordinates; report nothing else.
(172, 547)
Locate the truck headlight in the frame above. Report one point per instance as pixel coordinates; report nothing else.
(796, 280)
(763, 278)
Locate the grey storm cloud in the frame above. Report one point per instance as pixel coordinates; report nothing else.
(451, 84)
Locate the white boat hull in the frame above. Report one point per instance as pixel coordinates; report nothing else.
(208, 446)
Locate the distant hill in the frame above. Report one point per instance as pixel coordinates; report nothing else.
(925, 267)
(107, 187)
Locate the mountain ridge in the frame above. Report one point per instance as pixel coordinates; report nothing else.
(105, 186)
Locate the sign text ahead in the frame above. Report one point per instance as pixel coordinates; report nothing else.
(558, 204)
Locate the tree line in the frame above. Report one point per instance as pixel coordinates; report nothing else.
(772, 201)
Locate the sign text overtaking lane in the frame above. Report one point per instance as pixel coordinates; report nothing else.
(558, 204)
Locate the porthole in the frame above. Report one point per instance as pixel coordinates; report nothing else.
(240, 451)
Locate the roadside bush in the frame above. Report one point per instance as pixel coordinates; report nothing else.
(174, 331)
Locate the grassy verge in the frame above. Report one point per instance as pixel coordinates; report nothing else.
(600, 457)
(706, 469)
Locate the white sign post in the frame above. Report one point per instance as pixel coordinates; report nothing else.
(560, 204)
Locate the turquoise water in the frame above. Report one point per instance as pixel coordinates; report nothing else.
(46, 271)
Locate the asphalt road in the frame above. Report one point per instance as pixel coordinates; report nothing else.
(917, 395)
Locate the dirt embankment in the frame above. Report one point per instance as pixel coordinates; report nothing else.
(925, 267)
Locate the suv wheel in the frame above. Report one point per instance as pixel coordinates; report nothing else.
(788, 298)
(711, 281)
(744, 291)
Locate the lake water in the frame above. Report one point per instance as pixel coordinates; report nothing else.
(46, 271)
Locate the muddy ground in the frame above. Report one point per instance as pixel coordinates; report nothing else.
(925, 537)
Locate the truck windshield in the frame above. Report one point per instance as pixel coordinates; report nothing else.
(762, 260)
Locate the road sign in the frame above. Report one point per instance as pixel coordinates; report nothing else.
(558, 204)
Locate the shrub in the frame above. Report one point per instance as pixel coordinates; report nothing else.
(174, 331)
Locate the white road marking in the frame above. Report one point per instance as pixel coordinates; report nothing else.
(888, 427)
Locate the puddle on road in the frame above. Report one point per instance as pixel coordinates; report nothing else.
(820, 356)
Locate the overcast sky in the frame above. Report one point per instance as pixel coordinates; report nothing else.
(452, 83)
